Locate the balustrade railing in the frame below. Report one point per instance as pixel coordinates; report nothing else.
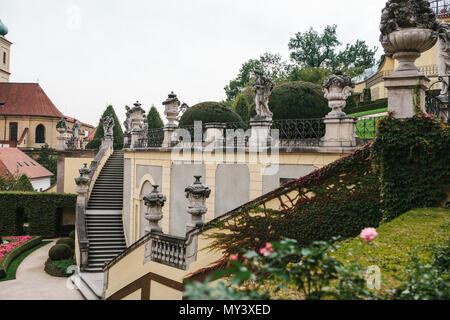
(436, 107)
(168, 250)
(299, 132)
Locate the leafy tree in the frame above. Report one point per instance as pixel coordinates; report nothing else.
(242, 107)
(48, 161)
(15, 182)
(311, 49)
(309, 74)
(117, 132)
(154, 119)
(23, 184)
(270, 64)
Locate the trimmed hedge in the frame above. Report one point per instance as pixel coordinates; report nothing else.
(67, 241)
(378, 104)
(60, 252)
(414, 160)
(40, 208)
(58, 268)
(209, 112)
(17, 251)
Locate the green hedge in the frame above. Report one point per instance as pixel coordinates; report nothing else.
(17, 251)
(378, 104)
(209, 112)
(40, 208)
(413, 158)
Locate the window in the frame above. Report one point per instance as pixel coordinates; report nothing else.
(40, 134)
(4, 57)
(13, 131)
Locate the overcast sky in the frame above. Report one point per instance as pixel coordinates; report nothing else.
(87, 54)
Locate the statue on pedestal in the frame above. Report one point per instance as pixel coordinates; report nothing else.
(76, 129)
(262, 88)
(108, 126)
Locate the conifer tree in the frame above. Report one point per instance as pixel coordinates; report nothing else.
(242, 107)
(99, 134)
(154, 119)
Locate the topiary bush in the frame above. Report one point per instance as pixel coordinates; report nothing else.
(298, 100)
(209, 112)
(60, 252)
(68, 241)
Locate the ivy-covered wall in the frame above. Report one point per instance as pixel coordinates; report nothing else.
(413, 156)
(40, 208)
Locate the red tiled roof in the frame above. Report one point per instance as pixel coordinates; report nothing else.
(72, 120)
(26, 99)
(13, 160)
(91, 136)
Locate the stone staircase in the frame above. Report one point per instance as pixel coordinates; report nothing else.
(104, 215)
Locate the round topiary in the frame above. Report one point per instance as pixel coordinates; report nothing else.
(72, 235)
(60, 252)
(209, 112)
(69, 241)
(298, 100)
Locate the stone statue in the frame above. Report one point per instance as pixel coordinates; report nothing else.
(443, 61)
(61, 125)
(108, 126)
(262, 88)
(127, 122)
(76, 129)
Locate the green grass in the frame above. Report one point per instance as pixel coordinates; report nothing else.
(396, 240)
(368, 113)
(12, 269)
(366, 128)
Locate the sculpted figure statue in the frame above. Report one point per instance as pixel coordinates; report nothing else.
(108, 126)
(444, 56)
(76, 129)
(262, 88)
(61, 125)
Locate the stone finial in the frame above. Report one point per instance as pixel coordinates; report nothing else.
(172, 110)
(61, 125)
(155, 202)
(196, 194)
(262, 88)
(83, 180)
(337, 88)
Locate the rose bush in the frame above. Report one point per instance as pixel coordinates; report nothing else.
(13, 243)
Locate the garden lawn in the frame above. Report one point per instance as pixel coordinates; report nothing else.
(12, 269)
(368, 113)
(396, 240)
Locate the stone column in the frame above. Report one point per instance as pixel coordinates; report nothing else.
(406, 32)
(340, 130)
(82, 190)
(61, 127)
(260, 133)
(171, 105)
(196, 194)
(215, 133)
(155, 202)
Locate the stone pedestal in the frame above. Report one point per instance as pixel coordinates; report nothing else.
(214, 133)
(401, 95)
(62, 140)
(168, 135)
(136, 134)
(260, 133)
(339, 132)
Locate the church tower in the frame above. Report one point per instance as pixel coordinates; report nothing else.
(5, 47)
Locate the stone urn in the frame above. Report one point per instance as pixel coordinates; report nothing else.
(406, 45)
(196, 195)
(172, 109)
(155, 202)
(337, 88)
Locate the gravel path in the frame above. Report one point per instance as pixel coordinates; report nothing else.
(33, 283)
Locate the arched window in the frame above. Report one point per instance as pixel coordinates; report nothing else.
(40, 134)
(13, 128)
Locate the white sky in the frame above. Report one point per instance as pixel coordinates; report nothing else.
(119, 51)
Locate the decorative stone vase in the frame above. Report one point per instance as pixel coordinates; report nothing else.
(172, 110)
(406, 45)
(337, 89)
(196, 194)
(155, 202)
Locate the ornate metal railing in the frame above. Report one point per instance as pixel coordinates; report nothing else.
(155, 137)
(168, 250)
(440, 7)
(437, 107)
(299, 132)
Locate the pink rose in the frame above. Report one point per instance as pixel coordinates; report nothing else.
(369, 234)
(267, 250)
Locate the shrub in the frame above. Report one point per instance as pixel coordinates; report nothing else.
(378, 104)
(59, 268)
(60, 252)
(68, 241)
(242, 107)
(154, 119)
(367, 95)
(72, 235)
(413, 156)
(209, 112)
(40, 208)
(298, 100)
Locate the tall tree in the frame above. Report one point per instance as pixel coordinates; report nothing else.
(99, 134)
(48, 161)
(154, 119)
(311, 49)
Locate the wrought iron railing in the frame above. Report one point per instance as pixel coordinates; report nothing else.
(299, 132)
(438, 108)
(155, 137)
(366, 127)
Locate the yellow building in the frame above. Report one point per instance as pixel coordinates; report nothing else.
(427, 64)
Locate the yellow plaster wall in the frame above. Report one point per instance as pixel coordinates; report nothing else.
(164, 160)
(71, 167)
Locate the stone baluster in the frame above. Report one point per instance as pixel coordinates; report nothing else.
(82, 190)
(215, 133)
(340, 130)
(171, 111)
(155, 202)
